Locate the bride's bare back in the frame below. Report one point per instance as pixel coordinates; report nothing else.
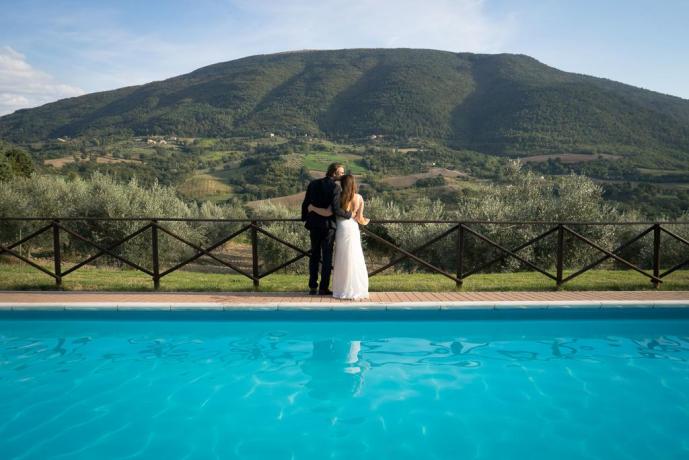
(357, 210)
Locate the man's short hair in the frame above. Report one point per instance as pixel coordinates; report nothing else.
(333, 168)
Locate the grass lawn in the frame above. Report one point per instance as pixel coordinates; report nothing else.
(204, 186)
(205, 142)
(15, 277)
(218, 155)
(321, 160)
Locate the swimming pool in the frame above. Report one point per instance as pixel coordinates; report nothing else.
(312, 385)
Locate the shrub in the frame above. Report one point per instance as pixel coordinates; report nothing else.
(100, 196)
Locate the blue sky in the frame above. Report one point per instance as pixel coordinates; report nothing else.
(55, 49)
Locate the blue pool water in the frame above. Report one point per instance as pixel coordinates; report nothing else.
(87, 386)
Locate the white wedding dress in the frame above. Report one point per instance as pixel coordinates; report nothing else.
(350, 277)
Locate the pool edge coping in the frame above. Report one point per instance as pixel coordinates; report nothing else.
(350, 306)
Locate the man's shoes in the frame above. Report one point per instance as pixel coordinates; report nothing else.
(325, 292)
(313, 292)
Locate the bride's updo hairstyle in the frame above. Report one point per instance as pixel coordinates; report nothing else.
(349, 189)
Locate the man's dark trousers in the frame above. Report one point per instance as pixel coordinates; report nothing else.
(322, 244)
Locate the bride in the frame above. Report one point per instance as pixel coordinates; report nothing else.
(350, 277)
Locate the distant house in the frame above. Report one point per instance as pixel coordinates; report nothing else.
(59, 139)
(162, 141)
(271, 135)
(150, 141)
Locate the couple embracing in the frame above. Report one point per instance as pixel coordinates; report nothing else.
(333, 210)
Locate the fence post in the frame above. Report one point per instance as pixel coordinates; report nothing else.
(560, 254)
(460, 254)
(656, 253)
(154, 254)
(57, 254)
(254, 253)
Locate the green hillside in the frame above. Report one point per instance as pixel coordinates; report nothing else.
(497, 104)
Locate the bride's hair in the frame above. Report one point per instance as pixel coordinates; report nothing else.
(349, 189)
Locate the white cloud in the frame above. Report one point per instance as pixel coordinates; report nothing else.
(267, 26)
(23, 86)
(105, 51)
(454, 25)
(109, 54)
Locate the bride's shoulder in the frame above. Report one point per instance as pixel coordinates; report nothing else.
(359, 197)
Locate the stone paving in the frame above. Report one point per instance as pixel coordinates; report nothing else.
(377, 300)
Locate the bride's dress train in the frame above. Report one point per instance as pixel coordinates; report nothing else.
(350, 277)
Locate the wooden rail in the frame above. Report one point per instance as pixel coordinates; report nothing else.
(460, 230)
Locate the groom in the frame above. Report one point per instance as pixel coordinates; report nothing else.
(323, 193)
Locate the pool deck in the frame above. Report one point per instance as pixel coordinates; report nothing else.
(74, 300)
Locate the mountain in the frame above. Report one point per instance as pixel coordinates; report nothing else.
(499, 104)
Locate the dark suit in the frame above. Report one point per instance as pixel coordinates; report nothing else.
(322, 193)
